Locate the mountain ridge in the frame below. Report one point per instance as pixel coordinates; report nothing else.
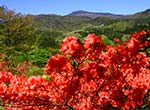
(94, 14)
(83, 13)
(75, 20)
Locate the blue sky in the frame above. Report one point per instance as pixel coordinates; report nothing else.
(63, 7)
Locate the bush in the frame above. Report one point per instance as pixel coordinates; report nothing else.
(86, 76)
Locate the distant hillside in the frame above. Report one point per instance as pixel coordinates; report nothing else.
(143, 14)
(94, 15)
(55, 22)
(79, 19)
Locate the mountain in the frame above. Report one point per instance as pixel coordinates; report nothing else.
(53, 28)
(143, 14)
(79, 19)
(94, 15)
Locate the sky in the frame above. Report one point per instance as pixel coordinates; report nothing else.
(64, 7)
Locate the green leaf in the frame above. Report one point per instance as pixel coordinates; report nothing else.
(47, 77)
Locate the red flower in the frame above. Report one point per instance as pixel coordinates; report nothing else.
(92, 40)
(57, 63)
(116, 39)
(71, 46)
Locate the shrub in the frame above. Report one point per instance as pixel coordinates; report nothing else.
(86, 76)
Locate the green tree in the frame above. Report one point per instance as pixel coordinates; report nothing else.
(16, 31)
(49, 39)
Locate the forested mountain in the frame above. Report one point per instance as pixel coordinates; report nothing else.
(79, 19)
(94, 14)
(55, 22)
(143, 14)
(81, 23)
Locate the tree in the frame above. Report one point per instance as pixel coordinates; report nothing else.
(48, 39)
(16, 31)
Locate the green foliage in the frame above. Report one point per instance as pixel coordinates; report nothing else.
(120, 26)
(107, 41)
(39, 57)
(47, 77)
(55, 23)
(34, 70)
(16, 31)
(48, 39)
(103, 21)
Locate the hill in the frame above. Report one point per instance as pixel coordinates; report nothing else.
(94, 14)
(78, 19)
